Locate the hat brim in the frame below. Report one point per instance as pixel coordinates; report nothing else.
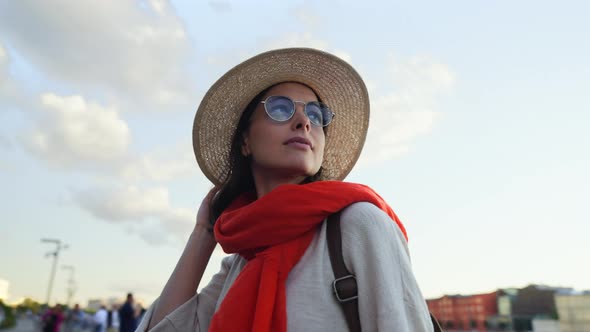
(335, 81)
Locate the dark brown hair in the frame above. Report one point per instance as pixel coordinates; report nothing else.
(239, 178)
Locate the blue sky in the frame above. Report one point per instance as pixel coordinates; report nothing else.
(477, 137)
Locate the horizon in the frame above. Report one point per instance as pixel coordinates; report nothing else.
(121, 299)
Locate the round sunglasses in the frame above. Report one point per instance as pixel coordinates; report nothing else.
(282, 108)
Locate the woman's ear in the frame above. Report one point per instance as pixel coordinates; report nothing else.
(245, 146)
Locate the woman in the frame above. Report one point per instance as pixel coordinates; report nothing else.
(276, 134)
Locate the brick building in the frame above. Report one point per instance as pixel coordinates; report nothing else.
(464, 312)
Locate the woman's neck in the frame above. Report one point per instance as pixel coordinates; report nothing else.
(267, 181)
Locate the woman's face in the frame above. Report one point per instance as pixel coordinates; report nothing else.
(294, 148)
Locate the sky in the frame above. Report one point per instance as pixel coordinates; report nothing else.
(477, 138)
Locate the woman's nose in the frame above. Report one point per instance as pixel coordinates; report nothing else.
(300, 119)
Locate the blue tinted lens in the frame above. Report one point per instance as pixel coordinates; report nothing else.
(328, 116)
(314, 113)
(279, 108)
(319, 114)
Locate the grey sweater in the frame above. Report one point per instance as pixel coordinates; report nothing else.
(374, 250)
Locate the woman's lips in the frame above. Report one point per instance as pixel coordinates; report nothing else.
(299, 142)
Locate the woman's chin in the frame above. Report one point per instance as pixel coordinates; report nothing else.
(297, 173)
(288, 169)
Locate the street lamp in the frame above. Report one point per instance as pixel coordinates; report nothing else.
(71, 282)
(58, 247)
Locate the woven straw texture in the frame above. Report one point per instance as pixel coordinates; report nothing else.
(335, 81)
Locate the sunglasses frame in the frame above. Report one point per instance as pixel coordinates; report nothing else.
(322, 105)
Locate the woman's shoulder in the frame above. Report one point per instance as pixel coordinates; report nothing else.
(364, 214)
(364, 219)
(366, 208)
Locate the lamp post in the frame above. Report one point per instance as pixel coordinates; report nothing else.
(58, 247)
(71, 283)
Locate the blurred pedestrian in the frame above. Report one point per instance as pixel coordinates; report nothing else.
(127, 316)
(100, 319)
(52, 319)
(75, 319)
(113, 319)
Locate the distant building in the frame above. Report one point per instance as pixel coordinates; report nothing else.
(503, 320)
(94, 304)
(113, 300)
(534, 301)
(464, 312)
(4, 285)
(508, 309)
(573, 309)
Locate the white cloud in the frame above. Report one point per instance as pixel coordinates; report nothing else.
(152, 235)
(124, 204)
(137, 207)
(160, 6)
(161, 165)
(74, 133)
(422, 75)
(400, 116)
(178, 222)
(125, 49)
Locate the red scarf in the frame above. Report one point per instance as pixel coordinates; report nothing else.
(273, 233)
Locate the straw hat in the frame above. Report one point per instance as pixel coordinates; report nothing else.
(335, 81)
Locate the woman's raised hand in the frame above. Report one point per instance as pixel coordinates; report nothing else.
(203, 214)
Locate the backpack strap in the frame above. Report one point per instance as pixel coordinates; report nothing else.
(344, 285)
